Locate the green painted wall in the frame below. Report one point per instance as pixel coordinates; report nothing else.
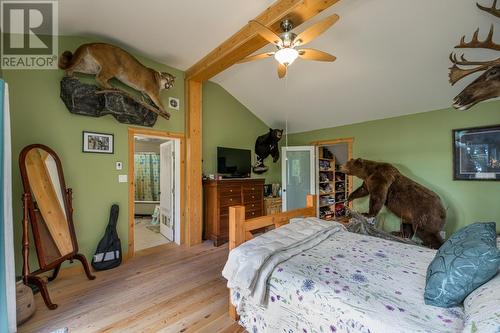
(228, 123)
(39, 116)
(420, 146)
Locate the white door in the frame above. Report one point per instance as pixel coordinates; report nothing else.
(167, 192)
(298, 175)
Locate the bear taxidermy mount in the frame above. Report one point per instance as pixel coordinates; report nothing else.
(107, 61)
(418, 207)
(266, 145)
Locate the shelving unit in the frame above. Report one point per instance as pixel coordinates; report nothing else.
(333, 186)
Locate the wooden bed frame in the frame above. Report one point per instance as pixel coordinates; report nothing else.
(240, 229)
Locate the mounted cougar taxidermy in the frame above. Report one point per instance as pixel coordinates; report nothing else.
(106, 61)
(486, 86)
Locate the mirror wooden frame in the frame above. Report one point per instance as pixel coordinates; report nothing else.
(31, 213)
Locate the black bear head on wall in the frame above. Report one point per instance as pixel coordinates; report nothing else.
(266, 145)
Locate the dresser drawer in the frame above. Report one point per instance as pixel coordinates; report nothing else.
(230, 190)
(249, 207)
(224, 210)
(250, 214)
(230, 200)
(252, 205)
(252, 188)
(255, 196)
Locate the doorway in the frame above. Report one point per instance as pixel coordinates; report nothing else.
(315, 169)
(298, 176)
(333, 186)
(155, 184)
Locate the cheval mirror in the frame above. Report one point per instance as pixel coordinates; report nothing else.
(47, 204)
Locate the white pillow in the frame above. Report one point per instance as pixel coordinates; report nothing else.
(482, 306)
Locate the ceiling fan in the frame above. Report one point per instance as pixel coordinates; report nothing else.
(287, 43)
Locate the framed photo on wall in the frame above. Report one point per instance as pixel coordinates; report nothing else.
(476, 153)
(98, 143)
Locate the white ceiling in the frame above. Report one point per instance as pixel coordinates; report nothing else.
(392, 60)
(392, 54)
(175, 32)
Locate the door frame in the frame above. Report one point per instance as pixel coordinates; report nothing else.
(350, 142)
(132, 132)
(312, 150)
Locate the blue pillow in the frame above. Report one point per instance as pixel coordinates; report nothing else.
(468, 259)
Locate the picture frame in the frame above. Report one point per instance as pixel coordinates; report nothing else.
(173, 103)
(476, 153)
(101, 143)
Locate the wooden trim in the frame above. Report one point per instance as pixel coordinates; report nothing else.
(184, 229)
(132, 132)
(240, 229)
(157, 133)
(333, 142)
(246, 41)
(131, 196)
(194, 188)
(350, 142)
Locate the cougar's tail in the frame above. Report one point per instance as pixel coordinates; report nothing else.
(65, 59)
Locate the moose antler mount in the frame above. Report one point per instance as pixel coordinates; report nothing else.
(487, 85)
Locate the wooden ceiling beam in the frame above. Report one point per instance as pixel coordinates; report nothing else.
(246, 41)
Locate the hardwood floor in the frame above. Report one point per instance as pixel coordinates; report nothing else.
(144, 237)
(162, 289)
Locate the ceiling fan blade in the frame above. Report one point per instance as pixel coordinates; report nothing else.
(312, 54)
(281, 71)
(266, 33)
(311, 33)
(256, 57)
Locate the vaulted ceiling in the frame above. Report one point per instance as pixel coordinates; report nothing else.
(392, 54)
(175, 32)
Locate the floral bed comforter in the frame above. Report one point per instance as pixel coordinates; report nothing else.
(349, 283)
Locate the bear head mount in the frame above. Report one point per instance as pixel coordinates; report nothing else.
(265, 145)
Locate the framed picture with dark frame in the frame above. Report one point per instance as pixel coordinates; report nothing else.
(98, 143)
(476, 153)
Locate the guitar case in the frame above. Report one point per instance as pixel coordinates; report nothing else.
(109, 250)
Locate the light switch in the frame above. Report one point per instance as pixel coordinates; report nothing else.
(122, 178)
(119, 165)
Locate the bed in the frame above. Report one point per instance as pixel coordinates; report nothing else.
(294, 279)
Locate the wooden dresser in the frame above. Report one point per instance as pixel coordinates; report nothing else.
(219, 195)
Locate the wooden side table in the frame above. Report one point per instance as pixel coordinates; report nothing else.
(272, 205)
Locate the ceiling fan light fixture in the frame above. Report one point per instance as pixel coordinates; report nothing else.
(286, 56)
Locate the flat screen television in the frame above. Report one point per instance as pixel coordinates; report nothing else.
(234, 163)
